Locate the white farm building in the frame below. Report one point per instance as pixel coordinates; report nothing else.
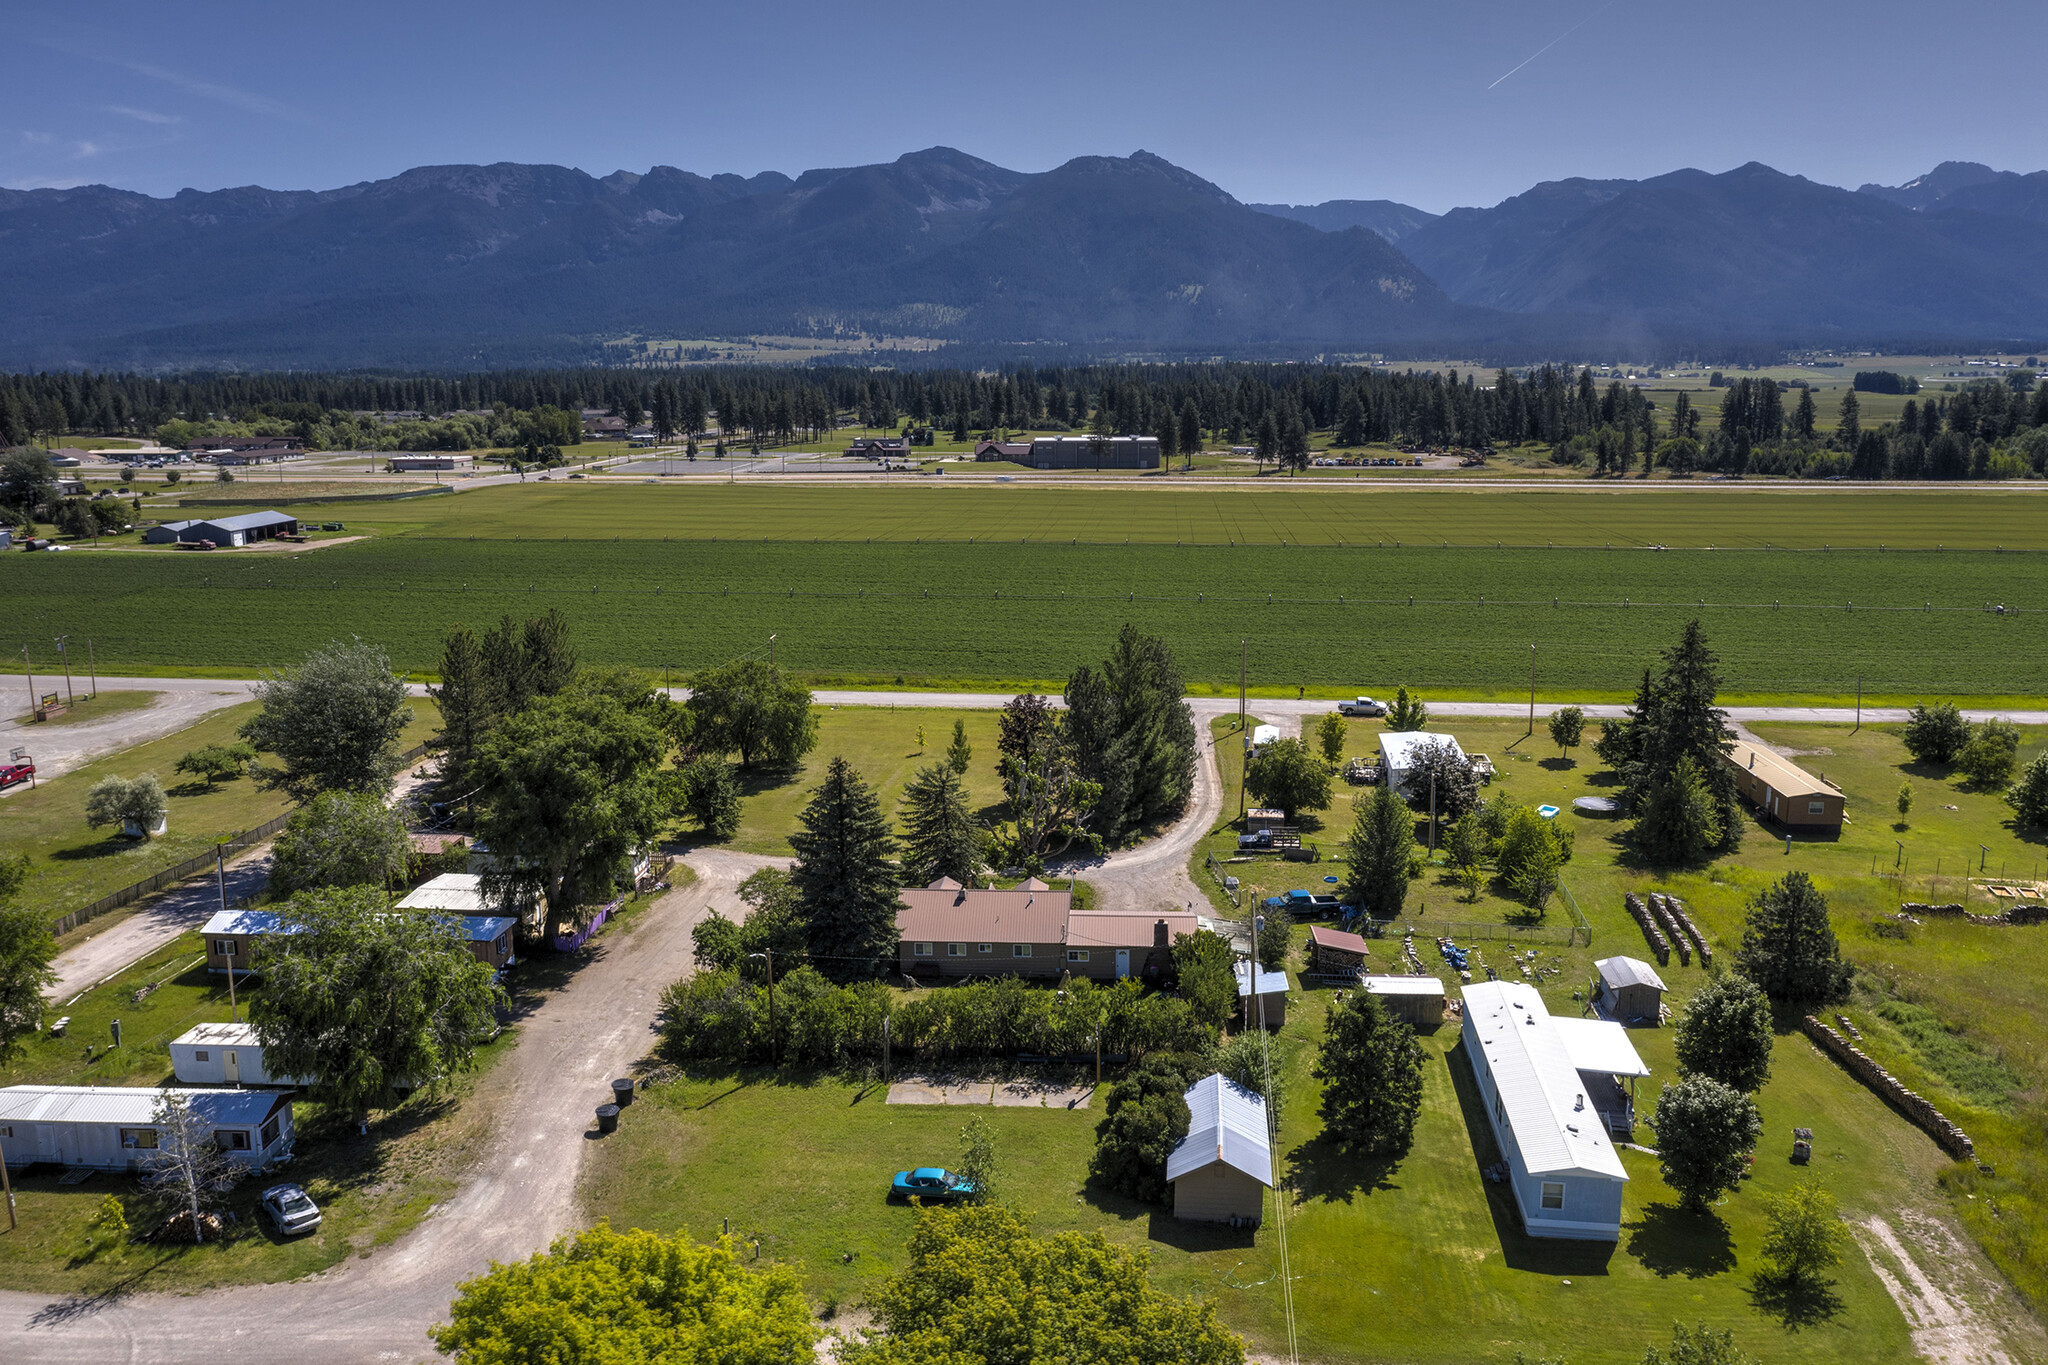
(1552, 1088)
(113, 1127)
(1222, 1169)
(1397, 757)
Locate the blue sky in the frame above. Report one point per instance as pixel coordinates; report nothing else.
(1288, 100)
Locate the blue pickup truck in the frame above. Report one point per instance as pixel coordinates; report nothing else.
(1301, 903)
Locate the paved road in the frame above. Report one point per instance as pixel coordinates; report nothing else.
(520, 1195)
(162, 918)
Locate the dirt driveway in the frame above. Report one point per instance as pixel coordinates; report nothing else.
(59, 749)
(519, 1195)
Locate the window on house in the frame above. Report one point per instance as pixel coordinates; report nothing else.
(224, 946)
(1816, 808)
(138, 1139)
(956, 950)
(231, 1139)
(270, 1132)
(6, 1130)
(984, 947)
(921, 950)
(202, 1055)
(1553, 1194)
(1077, 954)
(1020, 950)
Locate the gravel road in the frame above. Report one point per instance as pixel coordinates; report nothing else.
(520, 1195)
(60, 748)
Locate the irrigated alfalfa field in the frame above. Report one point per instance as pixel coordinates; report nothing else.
(1803, 593)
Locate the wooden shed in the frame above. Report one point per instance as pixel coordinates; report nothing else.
(1221, 1170)
(1416, 1000)
(1628, 991)
(1272, 992)
(1333, 951)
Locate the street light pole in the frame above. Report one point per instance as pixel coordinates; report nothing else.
(1532, 689)
(774, 1049)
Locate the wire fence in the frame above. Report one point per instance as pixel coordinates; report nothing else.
(1227, 883)
(201, 862)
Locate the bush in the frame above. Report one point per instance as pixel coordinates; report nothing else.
(1725, 1032)
(1991, 755)
(2029, 796)
(1935, 734)
(1705, 1134)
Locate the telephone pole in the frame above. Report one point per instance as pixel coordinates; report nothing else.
(70, 698)
(1532, 689)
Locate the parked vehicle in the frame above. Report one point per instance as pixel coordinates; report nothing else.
(290, 1210)
(933, 1184)
(1267, 841)
(1303, 903)
(56, 548)
(1362, 706)
(194, 545)
(16, 771)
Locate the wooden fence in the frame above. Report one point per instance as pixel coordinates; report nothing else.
(193, 866)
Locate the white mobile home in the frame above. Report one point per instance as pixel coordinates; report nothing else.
(1223, 1167)
(113, 1127)
(222, 1054)
(1545, 1111)
(1397, 757)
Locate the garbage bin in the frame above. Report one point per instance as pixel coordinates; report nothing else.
(622, 1092)
(607, 1118)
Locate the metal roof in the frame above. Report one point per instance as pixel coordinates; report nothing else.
(249, 521)
(248, 922)
(131, 1105)
(1617, 972)
(1270, 983)
(1403, 985)
(478, 928)
(1323, 937)
(1784, 776)
(1599, 1046)
(462, 892)
(218, 1035)
(1226, 1123)
(1555, 1127)
(1397, 747)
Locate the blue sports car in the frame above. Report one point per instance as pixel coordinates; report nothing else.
(932, 1185)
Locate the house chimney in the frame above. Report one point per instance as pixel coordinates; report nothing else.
(1159, 934)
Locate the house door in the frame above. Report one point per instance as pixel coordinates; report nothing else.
(234, 1067)
(1123, 963)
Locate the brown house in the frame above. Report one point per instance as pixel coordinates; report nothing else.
(948, 929)
(1018, 452)
(1783, 791)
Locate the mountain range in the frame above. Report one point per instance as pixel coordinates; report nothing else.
(516, 264)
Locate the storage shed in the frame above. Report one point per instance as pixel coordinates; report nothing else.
(113, 1128)
(245, 529)
(230, 935)
(1628, 990)
(489, 937)
(1416, 1000)
(458, 893)
(1334, 952)
(1783, 791)
(1272, 992)
(222, 1054)
(1221, 1170)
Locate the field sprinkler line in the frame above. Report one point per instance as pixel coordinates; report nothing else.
(1243, 543)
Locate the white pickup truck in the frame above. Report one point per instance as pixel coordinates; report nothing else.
(1362, 706)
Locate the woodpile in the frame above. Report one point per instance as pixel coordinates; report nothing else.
(2019, 914)
(1658, 943)
(1676, 907)
(1662, 914)
(1889, 1088)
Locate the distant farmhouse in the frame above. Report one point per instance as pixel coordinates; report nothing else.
(1783, 791)
(953, 930)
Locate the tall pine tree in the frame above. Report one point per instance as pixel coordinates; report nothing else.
(1674, 718)
(845, 877)
(939, 836)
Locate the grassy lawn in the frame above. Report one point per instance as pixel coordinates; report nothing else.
(72, 864)
(370, 1190)
(95, 708)
(882, 743)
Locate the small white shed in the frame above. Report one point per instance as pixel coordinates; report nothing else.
(1272, 992)
(113, 1127)
(1221, 1170)
(222, 1054)
(1397, 756)
(459, 892)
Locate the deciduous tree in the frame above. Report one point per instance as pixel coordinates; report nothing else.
(333, 722)
(1701, 1345)
(1144, 1118)
(217, 763)
(1935, 734)
(1371, 1068)
(1725, 1032)
(1285, 774)
(1991, 755)
(133, 803)
(2028, 797)
(1205, 975)
(27, 949)
(1567, 728)
(1705, 1133)
(187, 1167)
(364, 1002)
(752, 709)
(1331, 733)
(1805, 1233)
(710, 794)
(602, 1295)
(340, 839)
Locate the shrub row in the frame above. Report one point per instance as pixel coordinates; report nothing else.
(724, 1017)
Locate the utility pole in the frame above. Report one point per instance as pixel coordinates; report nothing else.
(1432, 812)
(774, 1047)
(27, 668)
(1243, 655)
(1859, 703)
(1532, 689)
(220, 872)
(8, 1186)
(93, 664)
(70, 698)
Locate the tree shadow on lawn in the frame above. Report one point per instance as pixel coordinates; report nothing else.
(107, 847)
(1557, 765)
(1325, 1170)
(1670, 1239)
(1793, 1302)
(1543, 1255)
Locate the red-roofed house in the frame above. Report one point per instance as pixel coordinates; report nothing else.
(1033, 930)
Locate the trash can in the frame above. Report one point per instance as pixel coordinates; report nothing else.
(607, 1118)
(622, 1092)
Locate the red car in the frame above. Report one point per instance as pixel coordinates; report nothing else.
(14, 774)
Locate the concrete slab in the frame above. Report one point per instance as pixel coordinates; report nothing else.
(970, 1092)
(917, 1090)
